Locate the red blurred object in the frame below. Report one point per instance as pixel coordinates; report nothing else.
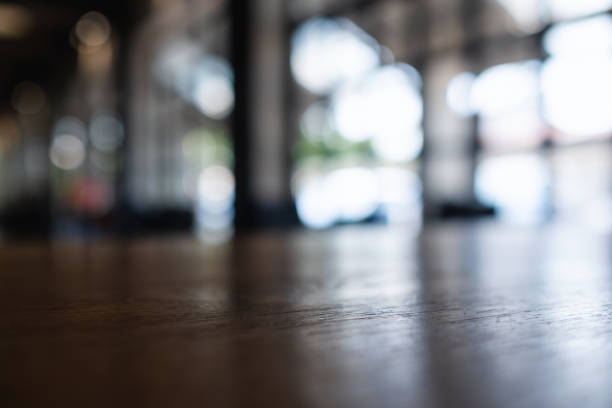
(90, 197)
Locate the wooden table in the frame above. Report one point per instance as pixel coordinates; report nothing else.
(457, 315)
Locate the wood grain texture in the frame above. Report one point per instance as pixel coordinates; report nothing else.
(459, 315)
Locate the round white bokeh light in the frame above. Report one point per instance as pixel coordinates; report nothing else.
(326, 52)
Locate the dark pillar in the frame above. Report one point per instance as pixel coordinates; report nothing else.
(259, 57)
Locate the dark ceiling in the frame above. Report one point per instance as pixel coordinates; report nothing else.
(43, 52)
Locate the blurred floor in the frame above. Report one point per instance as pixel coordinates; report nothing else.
(475, 315)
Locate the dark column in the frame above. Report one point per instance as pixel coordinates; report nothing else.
(262, 166)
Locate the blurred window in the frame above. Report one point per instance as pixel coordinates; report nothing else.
(360, 135)
(182, 155)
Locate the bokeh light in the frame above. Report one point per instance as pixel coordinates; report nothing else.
(67, 150)
(342, 195)
(507, 98)
(355, 192)
(576, 82)
(92, 29)
(216, 188)
(576, 38)
(208, 181)
(386, 106)
(15, 21)
(398, 146)
(515, 185)
(369, 120)
(565, 9)
(106, 132)
(352, 194)
(313, 211)
(577, 95)
(89, 196)
(174, 62)
(214, 91)
(326, 52)
(205, 80)
(505, 87)
(530, 15)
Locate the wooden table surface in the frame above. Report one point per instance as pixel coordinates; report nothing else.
(457, 315)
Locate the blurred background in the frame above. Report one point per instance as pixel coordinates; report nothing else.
(212, 116)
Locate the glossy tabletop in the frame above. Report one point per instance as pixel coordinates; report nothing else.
(454, 315)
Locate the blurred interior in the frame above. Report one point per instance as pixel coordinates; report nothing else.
(306, 203)
(210, 117)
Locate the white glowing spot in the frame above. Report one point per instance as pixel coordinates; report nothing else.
(515, 185)
(355, 192)
(577, 94)
(93, 29)
(216, 189)
(507, 98)
(398, 146)
(351, 113)
(576, 84)
(505, 87)
(215, 199)
(458, 93)
(214, 95)
(67, 149)
(326, 52)
(209, 85)
(589, 36)
(67, 152)
(565, 9)
(386, 103)
(106, 132)
(348, 195)
(314, 207)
